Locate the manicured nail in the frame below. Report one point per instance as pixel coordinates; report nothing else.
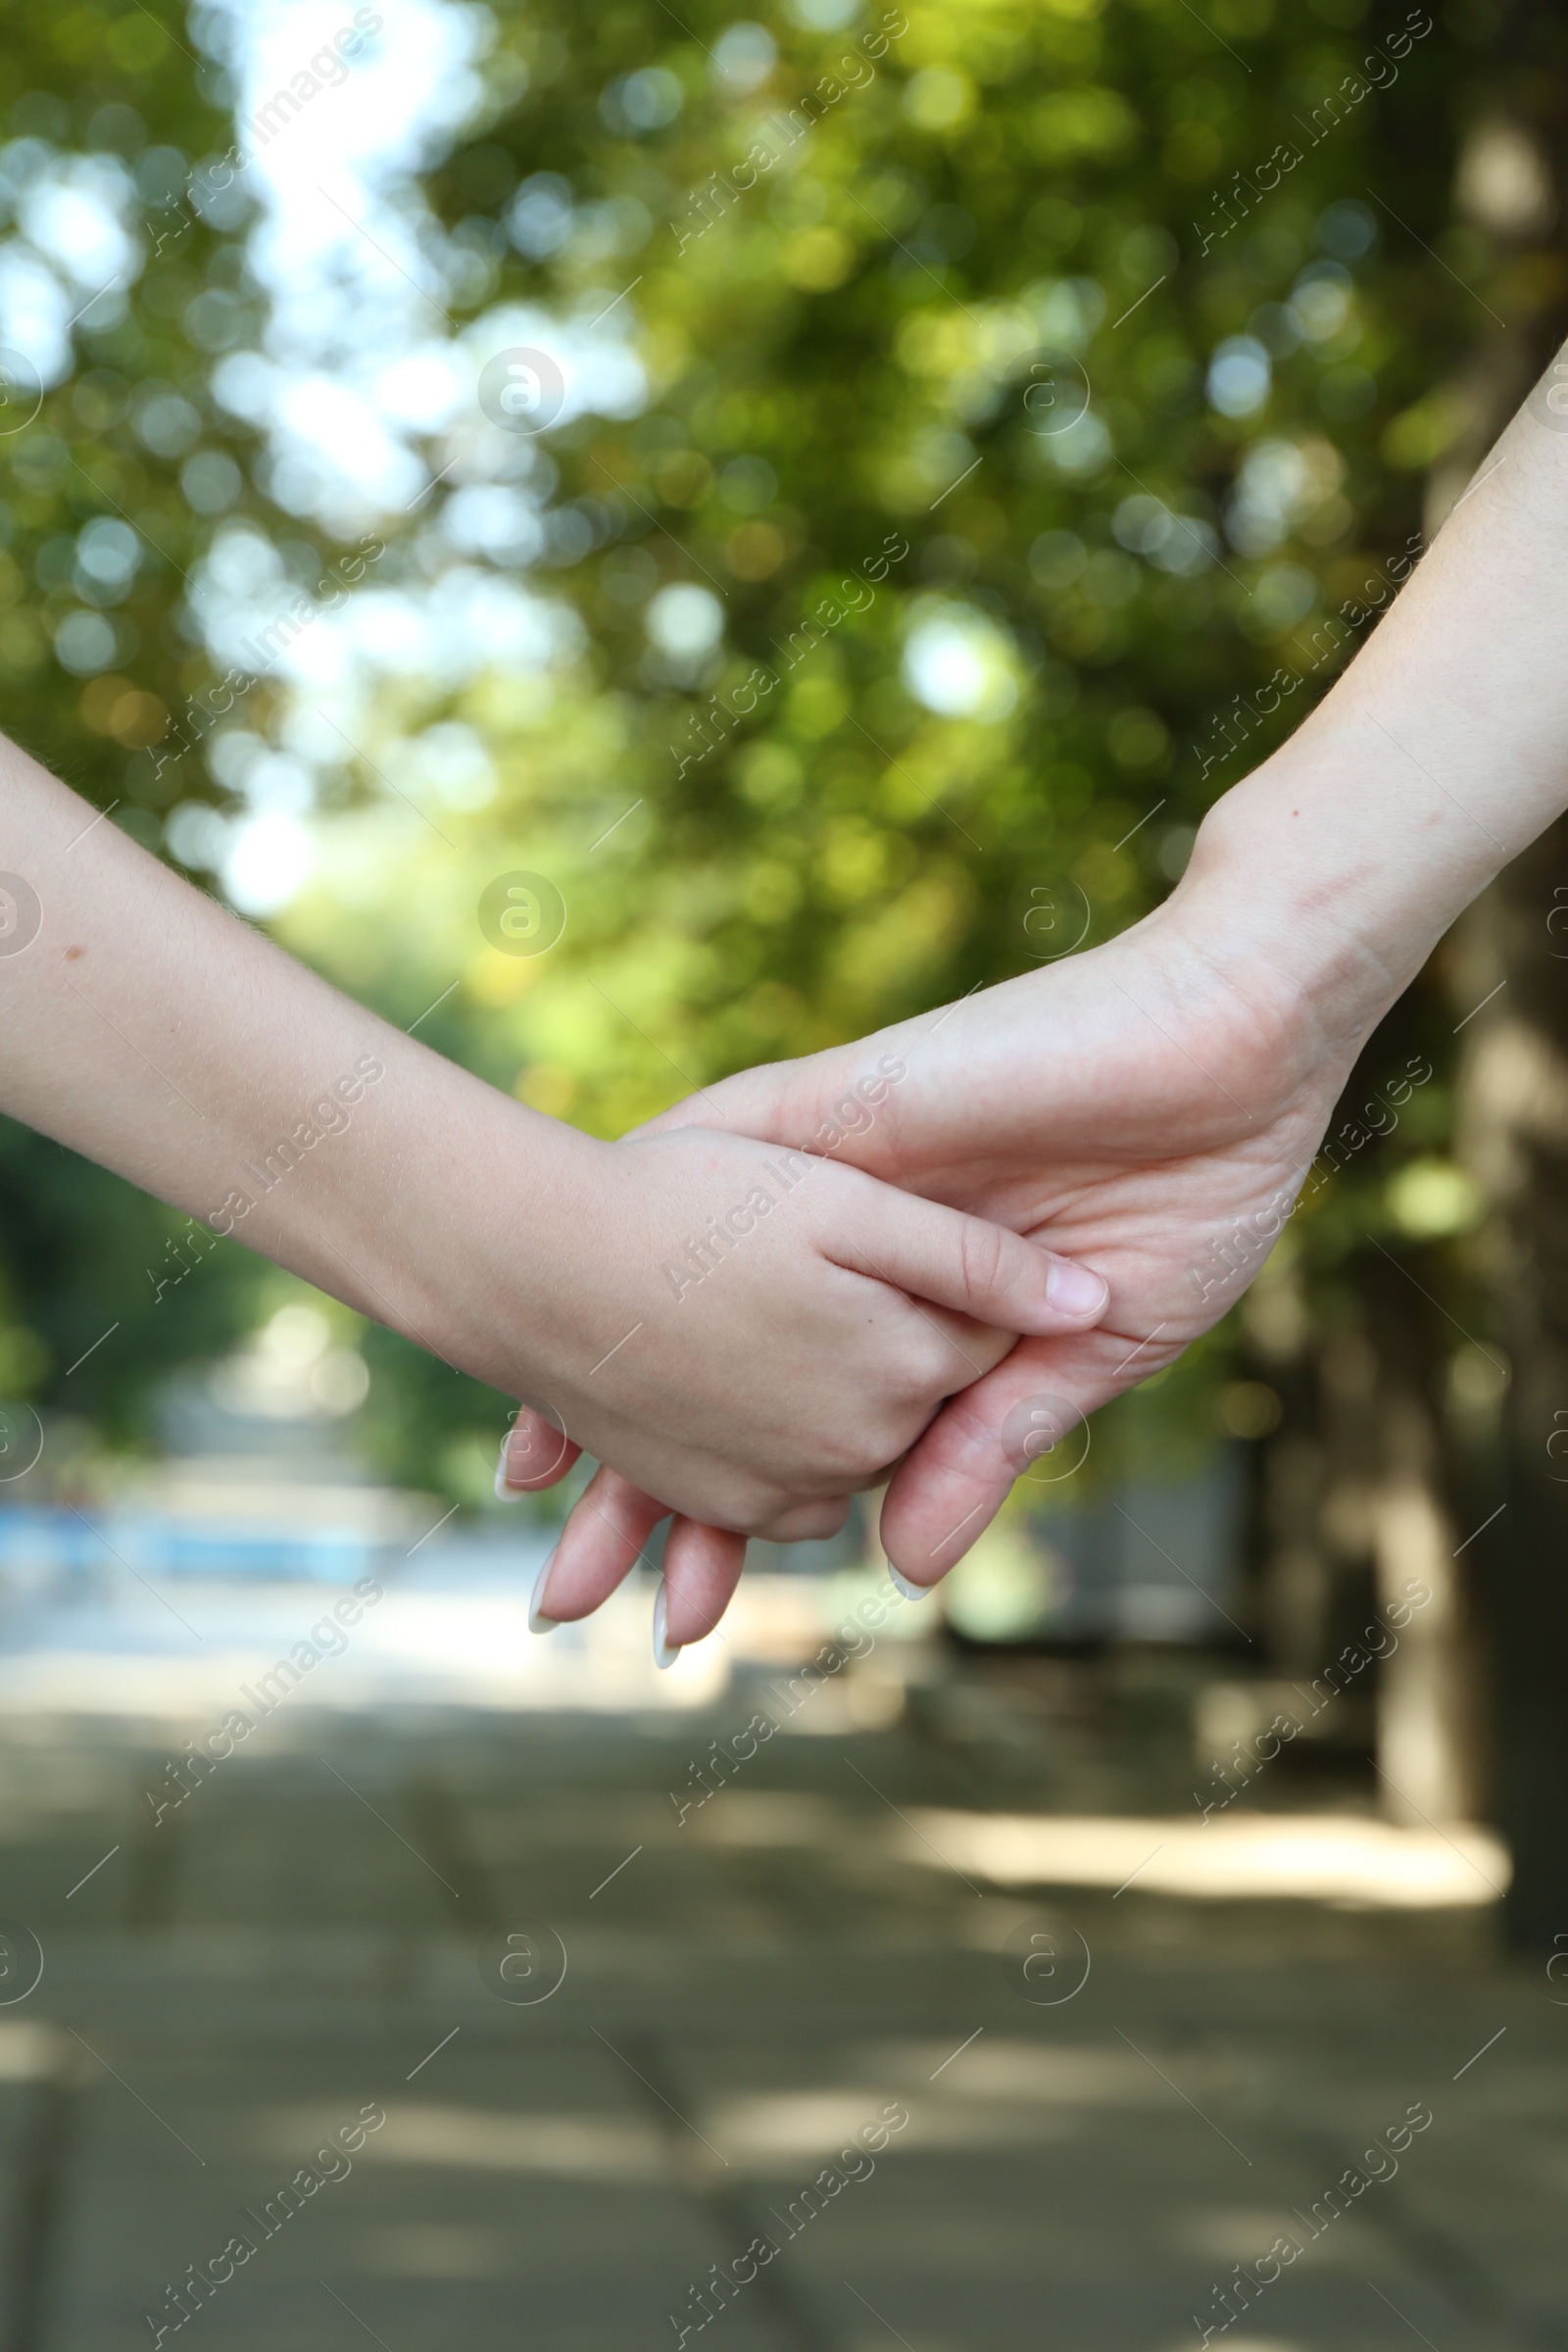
(903, 1584)
(504, 1493)
(538, 1622)
(1072, 1290)
(665, 1651)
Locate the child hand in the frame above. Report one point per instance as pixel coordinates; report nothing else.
(756, 1332)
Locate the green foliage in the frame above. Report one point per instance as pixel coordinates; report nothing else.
(843, 358)
(866, 290)
(95, 657)
(862, 339)
(122, 438)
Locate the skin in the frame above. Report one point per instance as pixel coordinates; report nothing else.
(1135, 1102)
(1142, 1101)
(146, 1027)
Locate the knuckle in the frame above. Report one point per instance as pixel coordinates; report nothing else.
(850, 1454)
(852, 1461)
(748, 1503)
(808, 1522)
(927, 1370)
(979, 1257)
(885, 1435)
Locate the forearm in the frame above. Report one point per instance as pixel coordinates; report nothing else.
(151, 1030)
(735, 1329)
(1437, 757)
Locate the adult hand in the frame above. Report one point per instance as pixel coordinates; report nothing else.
(1150, 1106)
(1154, 1105)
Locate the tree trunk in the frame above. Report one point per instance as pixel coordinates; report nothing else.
(1513, 1138)
(1510, 959)
(1426, 1746)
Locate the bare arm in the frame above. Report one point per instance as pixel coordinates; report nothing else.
(1437, 758)
(1152, 1106)
(146, 1027)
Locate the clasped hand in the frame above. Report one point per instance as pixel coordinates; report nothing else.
(1126, 1109)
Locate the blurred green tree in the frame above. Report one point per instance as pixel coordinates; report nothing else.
(1039, 404)
(115, 209)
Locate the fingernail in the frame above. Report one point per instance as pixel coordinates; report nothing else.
(665, 1651)
(1072, 1290)
(903, 1584)
(538, 1622)
(504, 1493)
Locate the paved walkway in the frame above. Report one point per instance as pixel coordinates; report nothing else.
(794, 2040)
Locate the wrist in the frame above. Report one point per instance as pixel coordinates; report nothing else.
(493, 1249)
(1291, 881)
(452, 1214)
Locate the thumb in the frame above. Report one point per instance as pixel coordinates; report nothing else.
(1027, 1419)
(947, 1491)
(963, 1262)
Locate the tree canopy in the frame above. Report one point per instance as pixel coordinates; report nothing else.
(947, 445)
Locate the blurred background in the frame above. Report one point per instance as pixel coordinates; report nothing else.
(637, 542)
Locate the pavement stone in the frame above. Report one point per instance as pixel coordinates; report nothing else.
(751, 1996)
